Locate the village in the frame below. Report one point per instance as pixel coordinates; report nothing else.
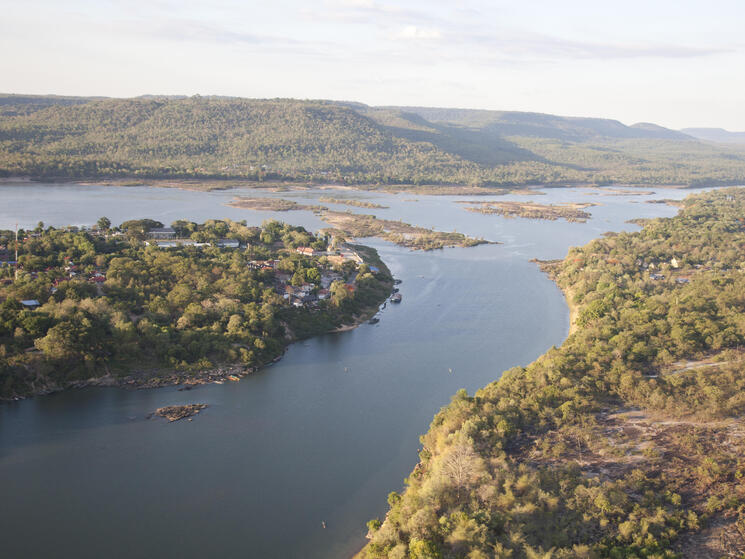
(331, 265)
(338, 263)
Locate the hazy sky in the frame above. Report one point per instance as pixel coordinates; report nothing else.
(677, 63)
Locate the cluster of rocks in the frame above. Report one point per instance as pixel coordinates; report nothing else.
(188, 379)
(174, 413)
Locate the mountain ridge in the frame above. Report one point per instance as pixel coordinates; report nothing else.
(342, 141)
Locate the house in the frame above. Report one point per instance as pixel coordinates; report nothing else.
(30, 303)
(682, 280)
(374, 269)
(228, 243)
(323, 294)
(656, 276)
(674, 263)
(162, 233)
(307, 251)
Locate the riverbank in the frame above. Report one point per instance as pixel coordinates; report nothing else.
(593, 435)
(149, 378)
(552, 268)
(273, 185)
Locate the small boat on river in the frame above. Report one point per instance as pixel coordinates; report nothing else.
(396, 298)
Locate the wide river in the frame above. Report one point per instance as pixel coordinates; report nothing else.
(322, 436)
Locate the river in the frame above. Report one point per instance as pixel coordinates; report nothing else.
(322, 436)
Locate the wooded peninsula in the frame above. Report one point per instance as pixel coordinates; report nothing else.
(144, 305)
(626, 441)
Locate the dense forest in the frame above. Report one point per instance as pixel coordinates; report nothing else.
(628, 441)
(85, 304)
(314, 141)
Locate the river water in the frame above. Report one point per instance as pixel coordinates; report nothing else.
(322, 436)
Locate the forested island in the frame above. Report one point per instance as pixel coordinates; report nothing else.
(144, 305)
(626, 441)
(268, 204)
(327, 142)
(572, 212)
(352, 202)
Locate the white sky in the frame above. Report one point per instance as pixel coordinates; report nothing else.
(676, 63)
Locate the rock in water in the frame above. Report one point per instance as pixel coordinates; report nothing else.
(174, 413)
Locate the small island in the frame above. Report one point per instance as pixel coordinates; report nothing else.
(175, 413)
(398, 232)
(571, 212)
(352, 202)
(270, 204)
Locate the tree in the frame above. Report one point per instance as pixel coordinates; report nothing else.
(104, 223)
(298, 278)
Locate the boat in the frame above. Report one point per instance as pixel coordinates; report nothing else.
(396, 298)
(374, 320)
(397, 282)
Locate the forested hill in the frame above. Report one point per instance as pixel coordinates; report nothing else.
(628, 441)
(208, 137)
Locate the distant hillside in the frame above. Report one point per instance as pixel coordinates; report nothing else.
(285, 139)
(512, 123)
(14, 105)
(716, 135)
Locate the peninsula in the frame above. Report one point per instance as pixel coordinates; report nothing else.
(145, 305)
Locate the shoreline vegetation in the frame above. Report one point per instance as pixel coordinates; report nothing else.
(352, 225)
(669, 202)
(275, 185)
(551, 268)
(143, 306)
(628, 440)
(572, 212)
